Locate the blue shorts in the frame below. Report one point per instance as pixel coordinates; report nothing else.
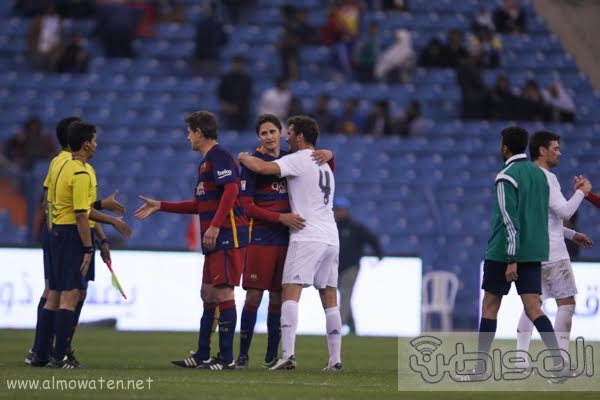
(66, 255)
(45, 236)
(529, 281)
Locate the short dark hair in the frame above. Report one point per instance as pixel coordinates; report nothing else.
(541, 138)
(305, 125)
(267, 118)
(62, 130)
(79, 133)
(515, 138)
(205, 121)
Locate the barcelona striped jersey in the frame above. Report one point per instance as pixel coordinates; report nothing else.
(217, 169)
(270, 193)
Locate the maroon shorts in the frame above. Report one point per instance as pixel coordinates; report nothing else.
(224, 267)
(264, 267)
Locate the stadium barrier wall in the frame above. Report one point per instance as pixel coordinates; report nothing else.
(163, 290)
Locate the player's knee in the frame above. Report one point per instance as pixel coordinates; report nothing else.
(254, 296)
(52, 300)
(223, 293)
(82, 295)
(568, 301)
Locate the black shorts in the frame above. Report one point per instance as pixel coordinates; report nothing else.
(66, 256)
(529, 281)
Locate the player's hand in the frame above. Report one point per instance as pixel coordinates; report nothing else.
(209, 240)
(292, 221)
(582, 240)
(149, 207)
(105, 251)
(511, 272)
(122, 227)
(85, 264)
(582, 183)
(322, 156)
(112, 204)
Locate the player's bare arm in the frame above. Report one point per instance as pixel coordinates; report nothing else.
(322, 156)
(582, 240)
(149, 207)
(83, 227)
(259, 166)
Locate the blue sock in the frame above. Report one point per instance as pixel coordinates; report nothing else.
(64, 329)
(46, 333)
(487, 331)
(546, 331)
(247, 327)
(273, 331)
(36, 340)
(206, 323)
(75, 323)
(227, 321)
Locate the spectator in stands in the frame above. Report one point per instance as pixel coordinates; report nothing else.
(235, 93)
(116, 25)
(504, 104)
(29, 145)
(339, 33)
(295, 107)
(395, 5)
(45, 39)
(483, 19)
(147, 17)
(74, 58)
(276, 100)
(170, 11)
(365, 54)
(354, 239)
(561, 103)
(409, 122)
(531, 105)
(210, 39)
(432, 55)
(378, 121)
(454, 51)
(509, 18)
(485, 47)
(397, 63)
(351, 122)
(289, 43)
(29, 8)
(323, 115)
(235, 9)
(474, 92)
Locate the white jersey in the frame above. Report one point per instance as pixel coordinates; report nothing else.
(559, 209)
(311, 189)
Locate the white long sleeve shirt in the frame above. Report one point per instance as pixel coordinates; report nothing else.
(560, 209)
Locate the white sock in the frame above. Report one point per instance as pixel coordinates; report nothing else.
(524, 329)
(333, 325)
(562, 325)
(289, 324)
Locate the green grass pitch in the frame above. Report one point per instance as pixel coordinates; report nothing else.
(372, 371)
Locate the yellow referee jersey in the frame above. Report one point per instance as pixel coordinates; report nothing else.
(75, 190)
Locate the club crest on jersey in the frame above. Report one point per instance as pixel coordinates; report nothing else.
(280, 186)
(224, 173)
(200, 189)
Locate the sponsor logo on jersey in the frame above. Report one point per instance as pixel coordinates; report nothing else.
(280, 186)
(243, 184)
(200, 189)
(224, 173)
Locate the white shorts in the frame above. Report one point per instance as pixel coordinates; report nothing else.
(311, 263)
(558, 281)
